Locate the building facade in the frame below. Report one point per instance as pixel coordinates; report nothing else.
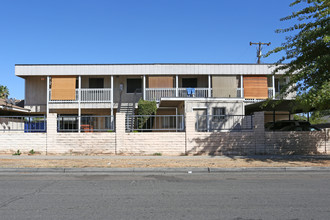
(105, 89)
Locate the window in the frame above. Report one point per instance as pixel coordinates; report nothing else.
(189, 83)
(218, 114)
(134, 85)
(96, 83)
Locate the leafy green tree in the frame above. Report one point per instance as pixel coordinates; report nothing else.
(308, 53)
(4, 92)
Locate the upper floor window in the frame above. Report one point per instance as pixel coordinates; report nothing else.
(189, 83)
(96, 83)
(134, 85)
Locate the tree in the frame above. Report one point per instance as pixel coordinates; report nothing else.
(4, 92)
(308, 54)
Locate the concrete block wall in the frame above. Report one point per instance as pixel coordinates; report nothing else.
(148, 143)
(297, 142)
(10, 142)
(190, 142)
(220, 143)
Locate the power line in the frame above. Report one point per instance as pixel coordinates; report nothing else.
(259, 49)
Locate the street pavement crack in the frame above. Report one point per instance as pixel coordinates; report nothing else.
(15, 198)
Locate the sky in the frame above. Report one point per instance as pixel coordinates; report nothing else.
(135, 31)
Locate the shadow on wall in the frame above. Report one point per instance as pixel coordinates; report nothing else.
(244, 143)
(296, 143)
(223, 143)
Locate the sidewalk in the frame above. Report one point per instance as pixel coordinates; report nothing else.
(142, 162)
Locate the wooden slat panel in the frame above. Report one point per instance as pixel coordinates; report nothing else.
(160, 82)
(63, 88)
(255, 87)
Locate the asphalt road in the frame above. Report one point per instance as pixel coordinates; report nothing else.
(291, 195)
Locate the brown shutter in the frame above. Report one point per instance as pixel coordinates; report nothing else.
(160, 82)
(255, 87)
(63, 88)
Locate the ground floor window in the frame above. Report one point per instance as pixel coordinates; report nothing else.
(218, 114)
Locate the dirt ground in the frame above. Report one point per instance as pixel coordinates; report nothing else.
(160, 161)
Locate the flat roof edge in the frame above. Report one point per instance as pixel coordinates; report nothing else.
(113, 64)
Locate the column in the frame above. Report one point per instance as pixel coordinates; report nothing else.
(47, 103)
(176, 86)
(273, 81)
(259, 132)
(111, 95)
(242, 89)
(120, 132)
(190, 119)
(79, 100)
(144, 87)
(51, 132)
(209, 86)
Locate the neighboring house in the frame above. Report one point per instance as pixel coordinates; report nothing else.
(12, 107)
(104, 89)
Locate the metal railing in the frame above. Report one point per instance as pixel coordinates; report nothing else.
(149, 123)
(197, 93)
(23, 123)
(207, 123)
(270, 92)
(95, 95)
(239, 95)
(87, 95)
(155, 94)
(93, 123)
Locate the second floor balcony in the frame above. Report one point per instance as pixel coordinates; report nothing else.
(86, 95)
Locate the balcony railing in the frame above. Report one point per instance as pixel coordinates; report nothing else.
(87, 95)
(155, 94)
(197, 93)
(270, 92)
(95, 95)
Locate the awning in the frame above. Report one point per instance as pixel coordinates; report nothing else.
(291, 106)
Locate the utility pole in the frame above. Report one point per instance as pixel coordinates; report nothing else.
(259, 49)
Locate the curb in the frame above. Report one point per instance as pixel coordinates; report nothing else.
(163, 170)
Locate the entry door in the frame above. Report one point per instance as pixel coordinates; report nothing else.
(201, 119)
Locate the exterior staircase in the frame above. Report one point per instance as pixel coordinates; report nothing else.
(128, 109)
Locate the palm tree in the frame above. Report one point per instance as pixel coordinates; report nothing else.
(4, 92)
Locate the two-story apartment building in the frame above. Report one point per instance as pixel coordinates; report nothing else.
(104, 89)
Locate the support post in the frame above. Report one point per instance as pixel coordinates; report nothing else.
(47, 103)
(209, 86)
(242, 89)
(111, 94)
(144, 87)
(176, 85)
(79, 107)
(273, 82)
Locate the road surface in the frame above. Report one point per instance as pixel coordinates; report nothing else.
(246, 195)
